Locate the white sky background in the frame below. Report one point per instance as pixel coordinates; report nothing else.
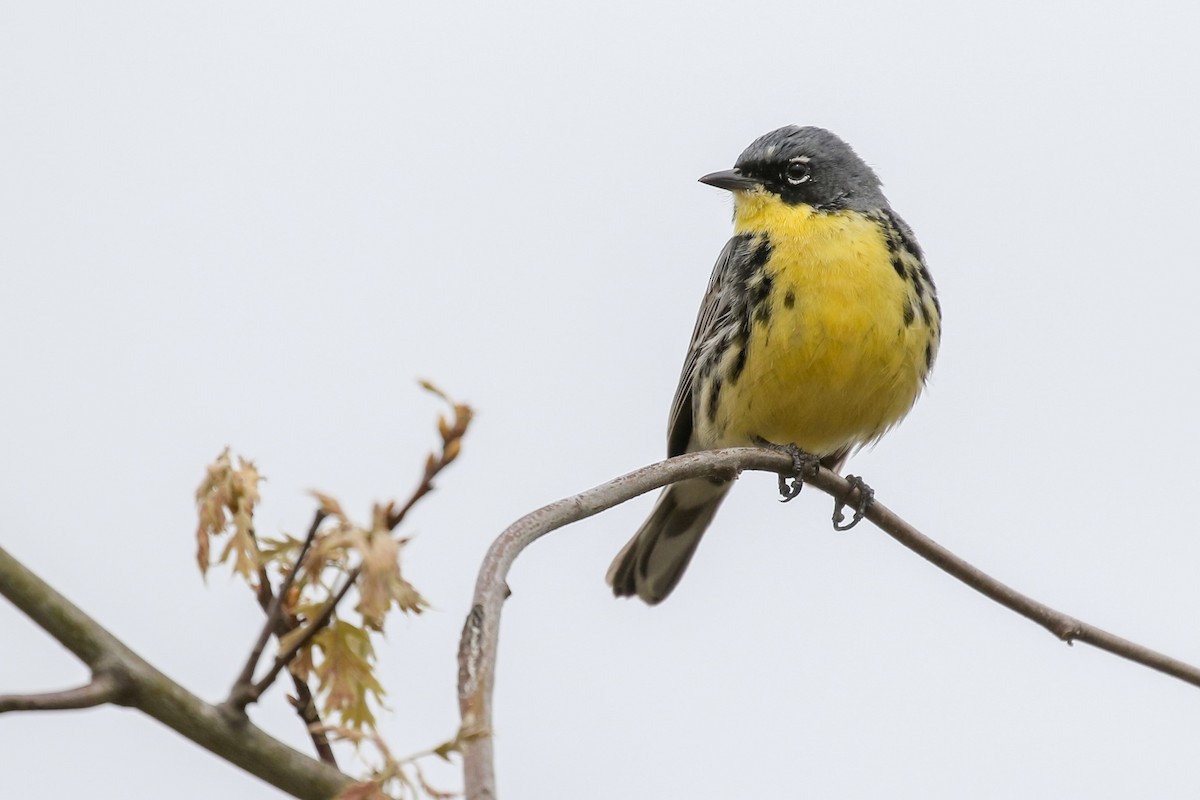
(256, 224)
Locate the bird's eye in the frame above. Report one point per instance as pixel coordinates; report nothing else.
(796, 172)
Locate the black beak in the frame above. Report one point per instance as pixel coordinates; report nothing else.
(730, 179)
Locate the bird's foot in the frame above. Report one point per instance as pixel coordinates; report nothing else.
(804, 465)
(866, 496)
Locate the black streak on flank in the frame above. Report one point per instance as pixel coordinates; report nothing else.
(749, 303)
(713, 394)
(757, 282)
(789, 299)
(739, 364)
(762, 253)
(925, 272)
(929, 355)
(908, 312)
(890, 235)
(921, 285)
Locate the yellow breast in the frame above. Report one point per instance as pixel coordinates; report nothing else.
(846, 341)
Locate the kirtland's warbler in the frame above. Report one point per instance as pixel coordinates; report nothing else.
(818, 331)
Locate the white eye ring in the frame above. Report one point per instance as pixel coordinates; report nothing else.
(797, 172)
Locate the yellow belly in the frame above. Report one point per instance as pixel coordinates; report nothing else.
(838, 361)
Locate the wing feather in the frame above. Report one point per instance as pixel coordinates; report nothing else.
(713, 312)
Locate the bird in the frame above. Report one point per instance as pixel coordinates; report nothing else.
(817, 333)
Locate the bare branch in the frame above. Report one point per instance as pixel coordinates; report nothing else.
(1063, 626)
(102, 689)
(230, 736)
(480, 636)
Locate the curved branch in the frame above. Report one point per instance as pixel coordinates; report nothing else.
(138, 684)
(480, 636)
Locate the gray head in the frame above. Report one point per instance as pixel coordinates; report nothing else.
(804, 165)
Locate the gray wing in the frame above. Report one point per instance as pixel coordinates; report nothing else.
(713, 311)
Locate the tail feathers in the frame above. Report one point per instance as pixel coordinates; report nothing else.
(656, 557)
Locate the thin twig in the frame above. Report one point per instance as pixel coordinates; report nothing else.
(305, 705)
(480, 636)
(239, 694)
(310, 630)
(103, 688)
(452, 435)
(433, 465)
(245, 691)
(263, 592)
(306, 708)
(396, 516)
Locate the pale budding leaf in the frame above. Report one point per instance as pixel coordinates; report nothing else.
(345, 674)
(301, 664)
(447, 749)
(380, 567)
(214, 475)
(289, 639)
(212, 497)
(380, 582)
(309, 608)
(292, 599)
(463, 414)
(279, 552)
(202, 549)
(429, 386)
(329, 504)
(407, 598)
(225, 499)
(320, 556)
(342, 538)
(246, 483)
(331, 549)
(243, 545)
(379, 519)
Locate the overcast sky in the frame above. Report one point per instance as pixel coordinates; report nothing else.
(257, 224)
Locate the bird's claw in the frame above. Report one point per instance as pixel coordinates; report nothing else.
(804, 465)
(866, 495)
